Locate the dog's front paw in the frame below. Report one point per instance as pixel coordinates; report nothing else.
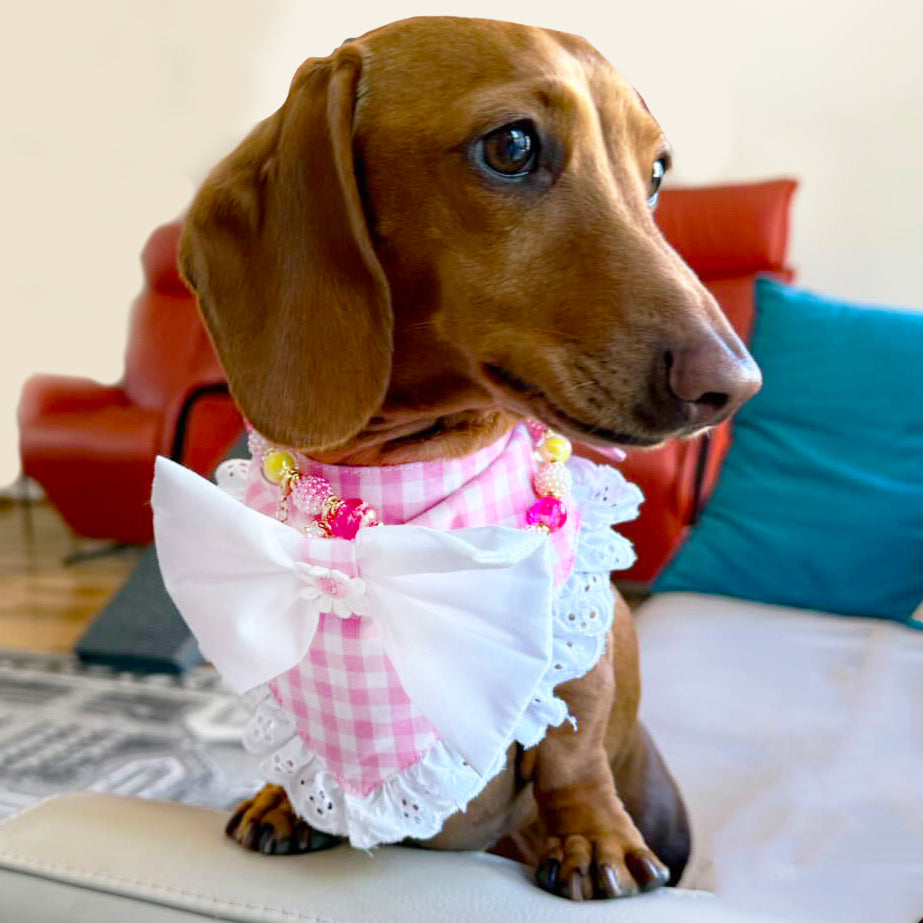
(598, 866)
(268, 824)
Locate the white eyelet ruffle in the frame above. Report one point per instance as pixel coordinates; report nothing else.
(415, 802)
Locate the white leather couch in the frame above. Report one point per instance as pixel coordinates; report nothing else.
(797, 738)
(100, 858)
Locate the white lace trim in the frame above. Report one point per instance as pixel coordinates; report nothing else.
(415, 802)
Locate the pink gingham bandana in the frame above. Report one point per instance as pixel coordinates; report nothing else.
(389, 674)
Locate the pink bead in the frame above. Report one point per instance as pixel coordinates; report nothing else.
(536, 429)
(349, 517)
(547, 511)
(256, 443)
(309, 493)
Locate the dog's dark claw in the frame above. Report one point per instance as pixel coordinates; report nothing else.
(546, 875)
(272, 844)
(231, 827)
(609, 882)
(249, 835)
(649, 873)
(301, 837)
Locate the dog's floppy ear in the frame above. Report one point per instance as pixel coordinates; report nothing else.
(277, 249)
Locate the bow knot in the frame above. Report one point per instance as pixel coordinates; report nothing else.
(329, 590)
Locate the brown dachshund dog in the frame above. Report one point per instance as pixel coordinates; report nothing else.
(447, 226)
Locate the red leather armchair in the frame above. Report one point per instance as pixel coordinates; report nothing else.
(92, 446)
(728, 235)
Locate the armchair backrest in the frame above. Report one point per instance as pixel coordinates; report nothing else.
(168, 346)
(729, 235)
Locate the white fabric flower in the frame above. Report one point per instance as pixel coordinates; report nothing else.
(329, 590)
(232, 475)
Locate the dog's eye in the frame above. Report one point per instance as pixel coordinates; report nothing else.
(511, 151)
(658, 171)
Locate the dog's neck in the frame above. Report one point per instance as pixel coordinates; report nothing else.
(396, 437)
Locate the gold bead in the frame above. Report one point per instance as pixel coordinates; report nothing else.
(555, 448)
(278, 465)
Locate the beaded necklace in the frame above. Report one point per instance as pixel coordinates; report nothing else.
(336, 517)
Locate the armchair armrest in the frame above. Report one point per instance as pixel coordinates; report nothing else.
(105, 858)
(46, 394)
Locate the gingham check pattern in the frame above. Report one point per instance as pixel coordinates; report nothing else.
(344, 697)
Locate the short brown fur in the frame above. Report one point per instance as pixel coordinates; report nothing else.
(364, 278)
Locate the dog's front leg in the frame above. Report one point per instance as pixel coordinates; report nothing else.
(592, 848)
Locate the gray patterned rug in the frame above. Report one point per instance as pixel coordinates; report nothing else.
(65, 726)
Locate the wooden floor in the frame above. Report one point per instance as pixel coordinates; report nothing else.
(46, 604)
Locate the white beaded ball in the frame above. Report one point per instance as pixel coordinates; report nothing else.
(553, 479)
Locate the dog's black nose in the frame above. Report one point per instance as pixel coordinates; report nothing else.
(711, 378)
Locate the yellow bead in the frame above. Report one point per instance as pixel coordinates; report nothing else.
(278, 465)
(555, 449)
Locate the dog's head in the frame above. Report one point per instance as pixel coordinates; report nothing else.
(451, 214)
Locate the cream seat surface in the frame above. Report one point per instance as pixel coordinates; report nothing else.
(797, 738)
(101, 858)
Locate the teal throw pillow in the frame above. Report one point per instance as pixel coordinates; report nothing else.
(819, 502)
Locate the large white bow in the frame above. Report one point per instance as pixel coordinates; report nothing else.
(464, 616)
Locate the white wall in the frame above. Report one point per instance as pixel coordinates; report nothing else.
(114, 109)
